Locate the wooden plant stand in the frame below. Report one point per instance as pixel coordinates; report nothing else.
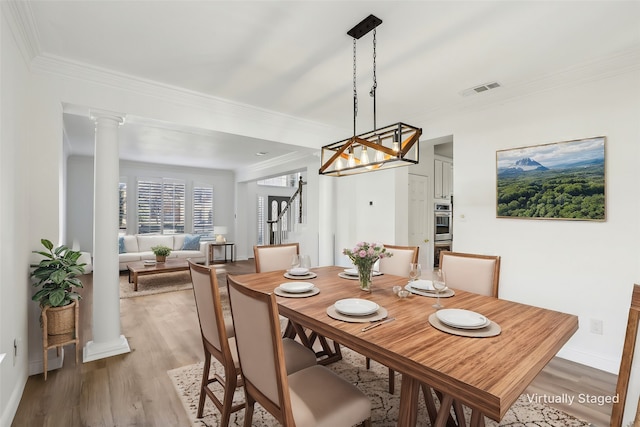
(70, 336)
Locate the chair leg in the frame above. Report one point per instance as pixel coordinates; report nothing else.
(205, 382)
(248, 412)
(230, 384)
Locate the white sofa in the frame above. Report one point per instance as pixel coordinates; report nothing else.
(138, 247)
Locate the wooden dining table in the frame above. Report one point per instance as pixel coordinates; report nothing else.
(486, 374)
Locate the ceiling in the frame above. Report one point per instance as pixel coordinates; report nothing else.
(295, 58)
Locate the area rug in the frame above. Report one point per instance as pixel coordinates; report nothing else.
(373, 382)
(159, 283)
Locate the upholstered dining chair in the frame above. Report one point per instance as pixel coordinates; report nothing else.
(313, 396)
(475, 273)
(399, 265)
(274, 257)
(278, 257)
(218, 341)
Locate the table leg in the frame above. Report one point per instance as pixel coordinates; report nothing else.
(408, 411)
(135, 282)
(477, 419)
(444, 411)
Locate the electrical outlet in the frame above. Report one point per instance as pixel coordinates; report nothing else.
(596, 326)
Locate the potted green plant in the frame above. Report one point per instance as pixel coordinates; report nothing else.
(56, 279)
(161, 252)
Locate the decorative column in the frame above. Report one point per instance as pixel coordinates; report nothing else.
(107, 340)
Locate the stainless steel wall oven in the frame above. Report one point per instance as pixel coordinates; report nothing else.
(443, 223)
(443, 230)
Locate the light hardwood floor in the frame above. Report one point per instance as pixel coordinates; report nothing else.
(134, 389)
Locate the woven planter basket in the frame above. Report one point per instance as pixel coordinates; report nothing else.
(161, 258)
(61, 320)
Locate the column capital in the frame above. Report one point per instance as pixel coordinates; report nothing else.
(97, 114)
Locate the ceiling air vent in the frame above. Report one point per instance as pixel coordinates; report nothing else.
(481, 88)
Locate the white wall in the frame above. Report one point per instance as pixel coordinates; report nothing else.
(370, 207)
(14, 216)
(583, 268)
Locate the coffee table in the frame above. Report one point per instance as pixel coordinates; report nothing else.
(139, 268)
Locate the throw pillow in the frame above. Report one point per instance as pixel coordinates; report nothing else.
(121, 249)
(191, 242)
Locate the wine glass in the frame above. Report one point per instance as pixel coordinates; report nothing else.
(295, 261)
(415, 272)
(439, 285)
(305, 261)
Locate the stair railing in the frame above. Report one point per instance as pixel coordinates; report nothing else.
(276, 232)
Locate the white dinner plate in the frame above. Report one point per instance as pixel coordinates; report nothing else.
(356, 307)
(462, 319)
(296, 287)
(299, 271)
(423, 285)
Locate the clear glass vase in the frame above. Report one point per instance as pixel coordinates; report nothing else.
(364, 276)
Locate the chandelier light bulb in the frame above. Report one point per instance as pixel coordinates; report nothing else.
(351, 162)
(364, 156)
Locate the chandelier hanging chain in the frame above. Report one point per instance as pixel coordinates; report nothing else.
(375, 81)
(355, 90)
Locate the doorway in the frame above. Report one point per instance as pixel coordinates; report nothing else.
(419, 216)
(277, 204)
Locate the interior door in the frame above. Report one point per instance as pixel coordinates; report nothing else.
(419, 215)
(276, 204)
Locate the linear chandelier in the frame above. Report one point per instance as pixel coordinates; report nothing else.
(382, 148)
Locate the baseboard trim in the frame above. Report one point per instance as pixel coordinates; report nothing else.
(53, 363)
(588, 359)
(9, 412)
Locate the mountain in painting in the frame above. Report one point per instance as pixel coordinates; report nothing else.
(522, 166)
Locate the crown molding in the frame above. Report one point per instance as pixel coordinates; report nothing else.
(22, 24)
(228, 109)
(278, 165)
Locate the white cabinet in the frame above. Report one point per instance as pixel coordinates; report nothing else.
(442, 178)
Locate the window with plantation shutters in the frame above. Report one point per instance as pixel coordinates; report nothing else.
(122, 200)
(202, 209)
(161, 206)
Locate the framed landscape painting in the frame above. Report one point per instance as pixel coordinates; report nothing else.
(562, 180)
